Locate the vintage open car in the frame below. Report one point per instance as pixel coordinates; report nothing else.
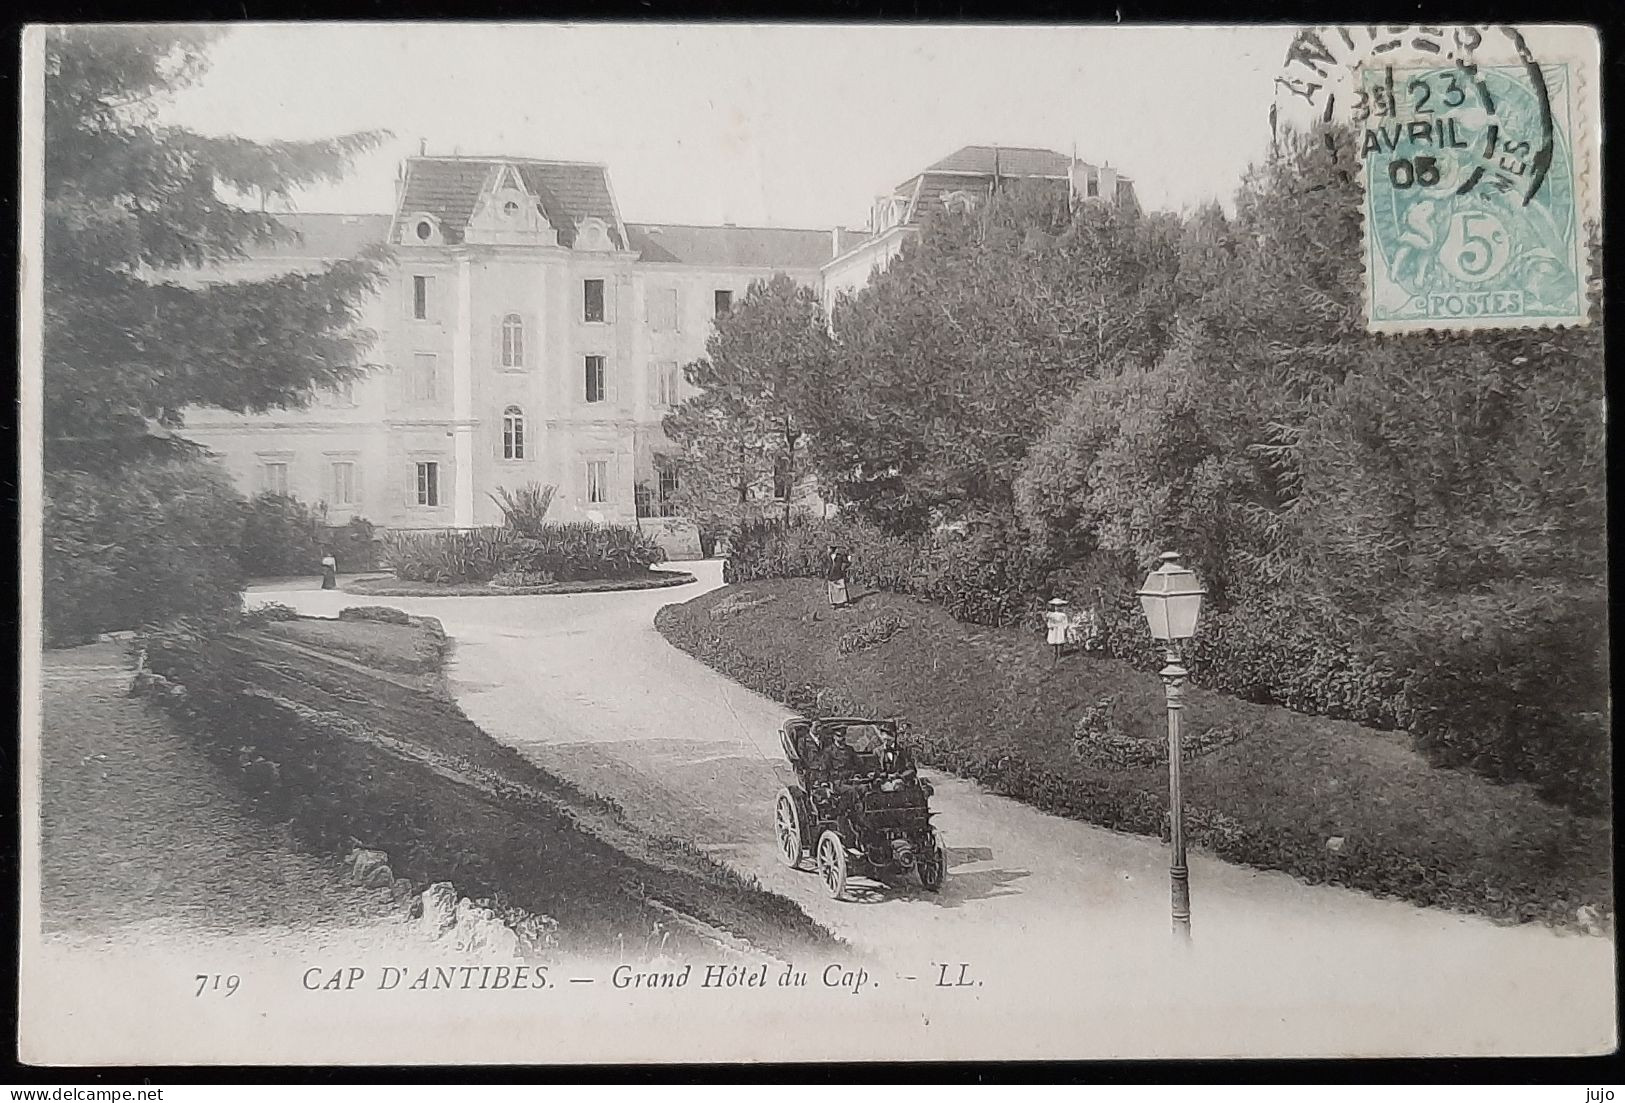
(888, 834)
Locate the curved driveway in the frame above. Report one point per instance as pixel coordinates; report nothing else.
(1063, 924)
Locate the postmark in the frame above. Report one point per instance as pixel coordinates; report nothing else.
(1472, 154)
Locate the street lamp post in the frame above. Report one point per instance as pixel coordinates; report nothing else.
(1172, 601)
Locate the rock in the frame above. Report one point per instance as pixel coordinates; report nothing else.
(369, 868)
(399, 889)
(1589, 920)
(479, 932)
(538, 934)
(439, 909)
(1335, 844)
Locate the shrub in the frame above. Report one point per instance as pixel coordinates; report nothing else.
(570, 552)
(354, 544)
(562, 552)
(154, 542)
(473, 555)
(383, 613)
(525, 510)
(281, 536)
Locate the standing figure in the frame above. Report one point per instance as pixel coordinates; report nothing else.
(1056, 622)
(835, 577)
(330, 573)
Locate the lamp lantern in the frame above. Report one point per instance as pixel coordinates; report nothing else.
(1172, 600)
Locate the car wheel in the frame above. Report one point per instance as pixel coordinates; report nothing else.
(832, 863)
(932, 866)
(787, 829)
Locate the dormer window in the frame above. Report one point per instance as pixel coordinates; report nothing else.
(422, 229)
(510, 209)
(592, 235)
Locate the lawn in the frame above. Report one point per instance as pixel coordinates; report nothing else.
(1326, 800)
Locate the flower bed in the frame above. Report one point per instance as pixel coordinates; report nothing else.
(394, 587)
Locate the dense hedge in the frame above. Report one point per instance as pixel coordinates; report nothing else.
(548, 553)
(1512, 684)
(154, 541)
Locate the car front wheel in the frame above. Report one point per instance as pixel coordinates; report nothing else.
(787, 829)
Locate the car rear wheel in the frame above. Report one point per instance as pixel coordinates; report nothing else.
(932, 866)
(788, 829)
(832, 863)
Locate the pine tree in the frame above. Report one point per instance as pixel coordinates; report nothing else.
(138, 528)
(742, 437)
(128, 203)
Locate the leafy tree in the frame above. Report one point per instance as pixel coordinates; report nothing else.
(129, 204)
(744, 432)
(135, 332)
(1434, 503)
(949, 361)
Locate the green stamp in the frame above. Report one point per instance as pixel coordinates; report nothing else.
(1472, 218)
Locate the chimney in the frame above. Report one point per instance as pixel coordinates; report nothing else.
(1079, 177)
(1108, 183)
(423, 147)
(834, 242)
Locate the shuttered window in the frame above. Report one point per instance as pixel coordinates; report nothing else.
(513, 341)
(594, 389)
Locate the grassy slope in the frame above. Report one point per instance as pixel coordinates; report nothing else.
(137, 826)
(386, 759)
(986, 703)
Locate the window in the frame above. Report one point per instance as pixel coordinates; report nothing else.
(274, 477)
(428, 483)
(668, 486)
(592, 297)
(666, 392)
(513, 433)
(597, 481)
(510, 208)
(782, 482)
(425, 376)
(724, 302)
(422, 289)
(513, 341)
(663, 315)
(1091, 189)
(343, 492)
(595, 379)
(425, 230)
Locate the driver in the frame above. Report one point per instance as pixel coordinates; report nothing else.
(896, 760)
(836, 767)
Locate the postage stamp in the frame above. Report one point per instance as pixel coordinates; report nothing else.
(1471, 212)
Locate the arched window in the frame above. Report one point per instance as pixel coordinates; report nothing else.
(513, 433)
(513, 341)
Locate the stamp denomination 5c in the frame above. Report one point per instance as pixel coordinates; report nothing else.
(1473, 210)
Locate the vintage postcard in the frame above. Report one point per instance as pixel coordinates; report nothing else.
(567, 544)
